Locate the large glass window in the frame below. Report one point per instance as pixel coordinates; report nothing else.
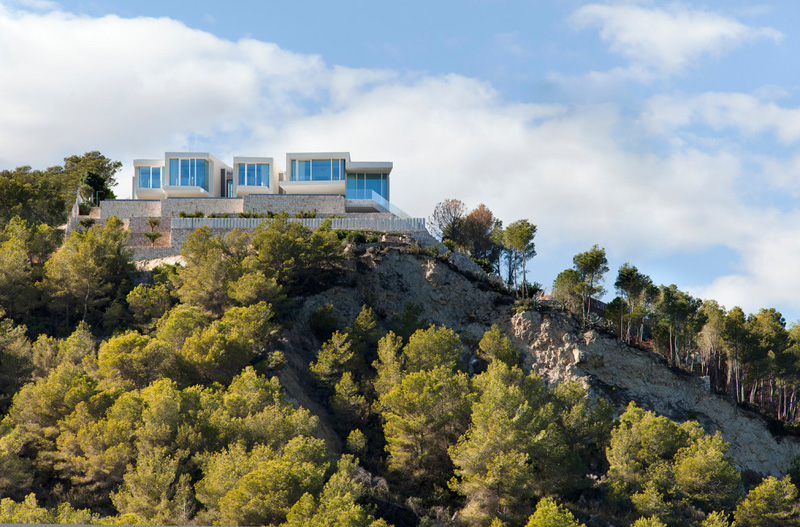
(149, 177)
(174, 172)
(318, 170)
(254, 174)
(321, 170)
(361, 186)
(262, 174)
(187, 173)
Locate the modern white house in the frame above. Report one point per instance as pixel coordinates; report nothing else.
(187, 190)
(202, 175)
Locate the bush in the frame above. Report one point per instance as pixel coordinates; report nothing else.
(484, 264)
(341, 233)
(84, 209)
(87, 223)
(373, 239)
(195, 214)
(251, 215)
(356, 237)
(152, 236)
(216, 215)
(525, 304)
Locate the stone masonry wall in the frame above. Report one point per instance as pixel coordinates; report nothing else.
(172, 207)
(130, 208)
(293, 204)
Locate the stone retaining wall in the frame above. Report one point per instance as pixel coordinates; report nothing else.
(130, 208)
(174, 206)
(294, 204)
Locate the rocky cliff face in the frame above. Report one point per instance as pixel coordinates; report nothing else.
(454, 294)
(557, 349)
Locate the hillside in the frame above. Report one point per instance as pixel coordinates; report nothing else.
(552, 344)
(292, 377)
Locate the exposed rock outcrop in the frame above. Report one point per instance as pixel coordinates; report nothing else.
(557, 349)
(552, 344)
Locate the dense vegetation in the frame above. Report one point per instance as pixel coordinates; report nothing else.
(130, 398)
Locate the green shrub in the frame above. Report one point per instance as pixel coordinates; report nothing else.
(450, 244)
(484, 264)
(87, 223)
(152, 236)
(195, 214)
(251, 215)
(373, 239)
(356, 237)
(432, 250)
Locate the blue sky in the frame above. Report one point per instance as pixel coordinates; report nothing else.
(666, 132)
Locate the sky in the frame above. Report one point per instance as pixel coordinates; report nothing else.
(665, 132)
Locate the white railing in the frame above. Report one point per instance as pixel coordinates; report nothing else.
(355, 224)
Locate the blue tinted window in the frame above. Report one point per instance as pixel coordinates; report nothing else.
(251, 175)
(144, 177)
(372, 184)
(242, 168)
(200, 177)
(174, 172)
(361, 186)
(294, 170)
(185, 172)
(304, 171)
(155, 181)
(350, 192)
(321, 170)
(262, 179)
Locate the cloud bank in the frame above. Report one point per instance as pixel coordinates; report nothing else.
(136, 87)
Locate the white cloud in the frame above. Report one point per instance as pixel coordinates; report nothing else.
(135, 84)
(662, 42)
(768, 277)
(742, 112)
(138, 87)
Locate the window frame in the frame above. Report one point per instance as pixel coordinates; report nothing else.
(150, 178)
(335, 170)
(187, 172)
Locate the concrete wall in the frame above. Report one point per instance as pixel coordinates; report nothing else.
(323, 205)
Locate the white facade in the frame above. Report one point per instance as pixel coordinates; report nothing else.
(201, 175)
(180, 175)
